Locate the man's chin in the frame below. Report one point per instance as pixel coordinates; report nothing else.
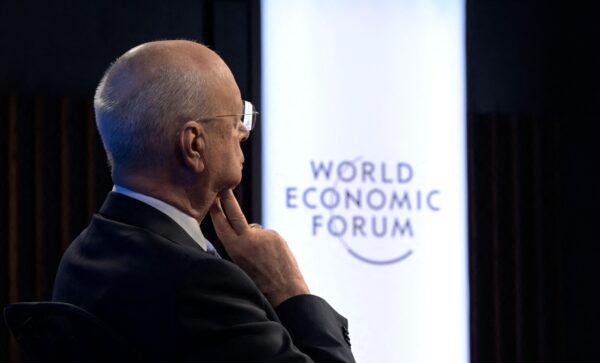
(230, 185)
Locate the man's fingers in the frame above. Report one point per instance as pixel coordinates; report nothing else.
(222, 226)
(234, 214)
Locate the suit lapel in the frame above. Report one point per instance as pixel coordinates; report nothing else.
(131, 211)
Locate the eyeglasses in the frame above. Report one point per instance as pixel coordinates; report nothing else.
(249, 116)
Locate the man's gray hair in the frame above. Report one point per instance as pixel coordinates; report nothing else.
(138, 128)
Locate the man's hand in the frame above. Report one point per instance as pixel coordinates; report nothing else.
(262, 254)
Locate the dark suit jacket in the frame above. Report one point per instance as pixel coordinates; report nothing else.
(138, 271)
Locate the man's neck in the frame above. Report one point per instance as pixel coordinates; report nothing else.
(192, 200)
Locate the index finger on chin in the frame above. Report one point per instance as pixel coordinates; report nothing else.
(224, 230)
(234, 213)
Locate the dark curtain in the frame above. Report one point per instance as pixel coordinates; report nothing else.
(534, 183)
(56, 174)
(516, 279)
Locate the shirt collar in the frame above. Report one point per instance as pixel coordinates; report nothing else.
(187, 222)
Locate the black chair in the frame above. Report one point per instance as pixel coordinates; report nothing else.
(61, 332)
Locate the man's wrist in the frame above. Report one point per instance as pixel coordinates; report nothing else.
(277, 298)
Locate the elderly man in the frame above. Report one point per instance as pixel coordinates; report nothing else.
(171, 119)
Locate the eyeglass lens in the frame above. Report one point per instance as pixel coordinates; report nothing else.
(249, 116)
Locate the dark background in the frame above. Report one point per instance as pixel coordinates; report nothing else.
(533, 102)
(533, 97)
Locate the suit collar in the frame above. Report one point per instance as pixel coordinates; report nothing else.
(189, 224)
(128, 210)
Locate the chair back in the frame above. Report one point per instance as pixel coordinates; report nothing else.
(61, 332)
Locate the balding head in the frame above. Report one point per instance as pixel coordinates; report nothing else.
(148, 93)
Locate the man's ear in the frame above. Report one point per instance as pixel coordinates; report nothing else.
(192, 144)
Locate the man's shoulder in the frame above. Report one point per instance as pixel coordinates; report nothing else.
(114, 256)
(121, 237)
(129, 251)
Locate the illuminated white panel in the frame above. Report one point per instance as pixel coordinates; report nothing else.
(363, 119)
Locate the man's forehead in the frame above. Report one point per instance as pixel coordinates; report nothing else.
(234, 105)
